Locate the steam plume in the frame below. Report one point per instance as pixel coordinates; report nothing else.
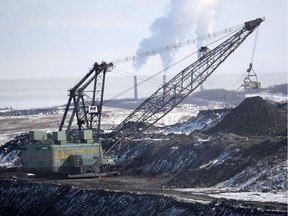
(183, 17)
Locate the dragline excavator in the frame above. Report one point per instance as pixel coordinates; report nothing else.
(77, 151)
(178, 88)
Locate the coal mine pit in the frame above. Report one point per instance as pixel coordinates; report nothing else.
(242, 151)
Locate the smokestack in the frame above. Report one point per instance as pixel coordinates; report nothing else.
(135, 88)
(164, 79)
(164, 83)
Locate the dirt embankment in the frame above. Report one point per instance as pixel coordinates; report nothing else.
(26, 198)
(199, 160)
(247, 150)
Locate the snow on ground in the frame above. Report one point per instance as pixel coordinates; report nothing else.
(114, 116)
(188, 200)
(214, 192)
(275, 97)
(184, 112)
(6, 109)
(9, 160)
(111, 117)
(255, 196)
(186, 118)
(259, 176)
(220, 159)
(15, 125)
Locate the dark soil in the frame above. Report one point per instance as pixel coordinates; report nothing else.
(243, 149)
(27, 198)
(248, 155)
(254, 116)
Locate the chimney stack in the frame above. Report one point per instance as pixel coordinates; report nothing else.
(164, 79)
(135, 88)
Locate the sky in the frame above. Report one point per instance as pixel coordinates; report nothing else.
(56, 41)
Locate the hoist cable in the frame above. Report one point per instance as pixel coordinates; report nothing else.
(254, 46)
(165, 69)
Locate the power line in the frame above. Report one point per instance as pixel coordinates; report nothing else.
(129, 74)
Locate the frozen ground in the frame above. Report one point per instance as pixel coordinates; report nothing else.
(168, 163)
(276, 97)
(16, 125)
(263, 197)
(255, 197)
(111, 117)
(29, 198)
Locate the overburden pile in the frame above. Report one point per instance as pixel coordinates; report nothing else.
(254, 116)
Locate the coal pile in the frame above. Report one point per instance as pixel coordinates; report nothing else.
(254, 116)
(14, 144)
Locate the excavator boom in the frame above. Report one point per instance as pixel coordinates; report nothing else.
(178, 88)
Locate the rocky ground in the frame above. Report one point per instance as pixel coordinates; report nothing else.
(28, 198)
(190, 167)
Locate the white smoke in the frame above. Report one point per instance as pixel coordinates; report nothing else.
(184, 17)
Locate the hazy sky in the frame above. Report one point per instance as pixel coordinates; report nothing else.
(52, 38)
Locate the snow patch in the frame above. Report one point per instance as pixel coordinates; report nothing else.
(215, 192)
(255, 197)
(219, 160)
(271, 178)
(275, 97)
(10, 159)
